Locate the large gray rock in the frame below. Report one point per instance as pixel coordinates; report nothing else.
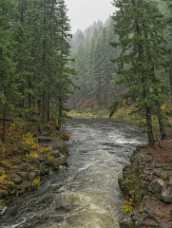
(3, 194)
(17, 179)
(170, 180)
(32, 175)
(145, 219)
(157, 186)
(166, 195)
(3, 210)
(126, 222)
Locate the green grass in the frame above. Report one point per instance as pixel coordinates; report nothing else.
(125, 114)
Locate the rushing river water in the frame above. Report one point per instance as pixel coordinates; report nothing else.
(86, 194)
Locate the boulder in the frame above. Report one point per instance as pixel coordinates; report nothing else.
(170, 180)
(145, 218)
(3, 210)
(151, 223)
(55, 163)
(166, 195)
(32, 175)
(3, 193)
(44, 171)
(22, 174)
(161, 174)
(16, 179)
(157, 186)
(126, 222)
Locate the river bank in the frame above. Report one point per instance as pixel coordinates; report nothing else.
(147, 186)
(27, 158)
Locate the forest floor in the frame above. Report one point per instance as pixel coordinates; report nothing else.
(26, 158)
(147, 187)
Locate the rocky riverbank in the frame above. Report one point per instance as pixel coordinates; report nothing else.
(26, 160)
(147, 186)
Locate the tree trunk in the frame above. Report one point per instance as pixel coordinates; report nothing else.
(43, 108)
(3, 137)
(48, 109)
(60, 113)
(140, 50)
(163, 134)
(149, 126)
(170, 76)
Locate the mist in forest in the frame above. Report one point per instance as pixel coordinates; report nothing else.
(83, 13)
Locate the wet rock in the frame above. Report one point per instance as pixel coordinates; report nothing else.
(146, 219)
(123, 185)
(157, 186)
(56, 153)
(44, 170)
(126, 222)
(12, 211)
(23, 175)
(166, 195)
(3, 193)
(17, 179)
(24, 187)
(160, 174)
(32, 175)
(147, 158)
(55, 163)
(3, 210)
(170, 180)
(166, 167)
(150, 222)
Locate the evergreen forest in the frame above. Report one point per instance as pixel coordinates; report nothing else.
(85, 114)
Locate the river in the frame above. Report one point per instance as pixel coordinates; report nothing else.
(86, 193)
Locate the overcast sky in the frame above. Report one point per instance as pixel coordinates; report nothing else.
(84, 12)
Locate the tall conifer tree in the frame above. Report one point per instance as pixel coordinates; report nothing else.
(140, 28)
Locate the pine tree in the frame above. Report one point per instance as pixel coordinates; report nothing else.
(7, 68)
(168, 13)
(140, 28)
(34, 60)
(63, 56)
(22, 55)
(94, 88)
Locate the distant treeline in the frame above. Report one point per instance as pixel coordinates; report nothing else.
(93, 55)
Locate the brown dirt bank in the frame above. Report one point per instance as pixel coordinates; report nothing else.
(147, 186)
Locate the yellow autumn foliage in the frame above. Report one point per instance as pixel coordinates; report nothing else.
(50, 157)
(34, 155)
(36, 183)
(4, 180)
(30, 142)
(128, 207)
(45, 150)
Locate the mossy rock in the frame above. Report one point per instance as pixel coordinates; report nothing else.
(126, 222)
